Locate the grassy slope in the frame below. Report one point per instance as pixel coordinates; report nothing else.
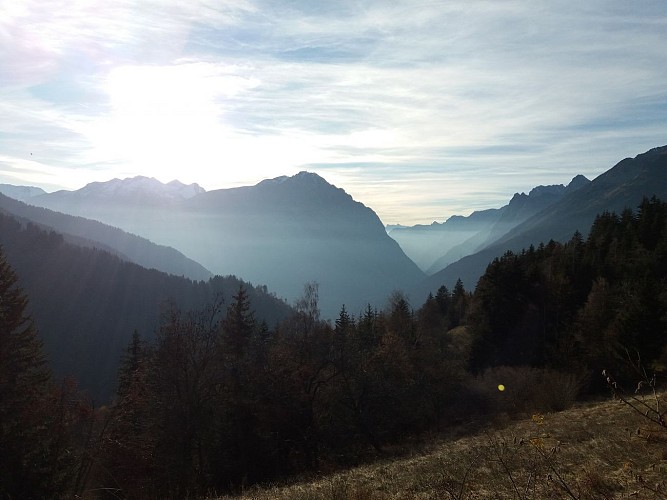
(592, 451)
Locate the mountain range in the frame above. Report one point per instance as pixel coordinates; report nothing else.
(91, 284)
(434, 247)
(288, 231)
(283, 233)
(138, 191)
(621, 187)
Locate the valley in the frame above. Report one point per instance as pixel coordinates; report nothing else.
(367, 355)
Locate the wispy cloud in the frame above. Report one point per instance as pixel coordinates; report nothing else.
(419, 109)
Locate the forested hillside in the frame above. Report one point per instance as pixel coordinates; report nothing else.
(94, 234)
(219, 400)
(87, 302)
(271, 403)
(622, 186)
(577, 305)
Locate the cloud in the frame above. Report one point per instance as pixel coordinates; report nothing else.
(419, 109)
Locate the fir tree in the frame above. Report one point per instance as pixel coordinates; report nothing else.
(28, 468)
(239, 324)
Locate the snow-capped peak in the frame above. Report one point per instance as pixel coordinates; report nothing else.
(141, 187)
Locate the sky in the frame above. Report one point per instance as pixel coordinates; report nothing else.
(418, 109)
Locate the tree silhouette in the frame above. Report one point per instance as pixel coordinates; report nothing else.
(239, 324)
(28, 453)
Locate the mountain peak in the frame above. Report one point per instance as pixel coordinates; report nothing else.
(275, 180)
(301, 186)
(141, 187)
(660, 150)
(308, 177)
(519, 196)
(301, 178)
(577, 182)
(21, 192)
(553, 189)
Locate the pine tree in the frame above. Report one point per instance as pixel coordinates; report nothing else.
(369, 330)
(343, 328)
(458, 305)
(239, 324)
(128, 453)
(133, 359)
(27, 468)
(443, 300)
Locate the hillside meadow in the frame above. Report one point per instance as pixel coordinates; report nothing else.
(593, 450)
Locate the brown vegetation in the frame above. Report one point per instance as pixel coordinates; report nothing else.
(592, 451)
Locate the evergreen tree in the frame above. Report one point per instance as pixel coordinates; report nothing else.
(400, 319)
(369, 327)
(133, 359)
(344, 328)
(459, 305)
(128, 452)
(28, 467)
(239, 324)
(344, 321)
(443, 300)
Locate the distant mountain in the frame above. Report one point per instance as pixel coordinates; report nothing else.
(623, 186)
(282, 232)
(87, 303)
(426, 245)
(90, 233)
(523, 206)
(438, 245)
(140, 191)
(20, 192)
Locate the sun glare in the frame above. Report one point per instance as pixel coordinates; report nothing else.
(169, 122)
(161, 120)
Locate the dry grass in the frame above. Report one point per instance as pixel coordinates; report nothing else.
(593, 451)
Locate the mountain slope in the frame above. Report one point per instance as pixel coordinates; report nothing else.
(292, 230)
(282, 232)
(598, 455)
(21, 192)
(427, 245)
(85, 232)
(87, 303)
(434, 247)
(623, 186)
